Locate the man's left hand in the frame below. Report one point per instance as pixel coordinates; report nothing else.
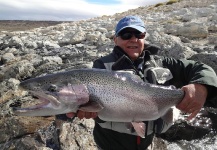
(194, 99)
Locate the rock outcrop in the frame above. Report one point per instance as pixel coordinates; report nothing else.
(186, 29)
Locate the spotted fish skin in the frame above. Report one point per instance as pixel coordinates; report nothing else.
(116, 96)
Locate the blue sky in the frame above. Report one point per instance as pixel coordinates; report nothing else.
(103, 2)
(66, 10)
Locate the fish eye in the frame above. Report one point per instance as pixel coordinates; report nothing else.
(52, 88)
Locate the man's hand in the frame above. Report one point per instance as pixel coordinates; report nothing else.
(81, 114)
(195, 97)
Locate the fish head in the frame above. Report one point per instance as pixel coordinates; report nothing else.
(59, 94)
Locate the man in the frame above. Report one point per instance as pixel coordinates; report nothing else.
(131, 53)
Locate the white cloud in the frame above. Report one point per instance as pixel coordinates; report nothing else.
(62, 9)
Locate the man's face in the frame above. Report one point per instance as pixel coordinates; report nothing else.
(131, 41)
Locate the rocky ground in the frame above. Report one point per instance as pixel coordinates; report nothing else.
(185, 29)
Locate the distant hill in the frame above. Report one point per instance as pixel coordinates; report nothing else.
(22, 25)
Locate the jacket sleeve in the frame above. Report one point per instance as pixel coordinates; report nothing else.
(187, 71)
(98, 64)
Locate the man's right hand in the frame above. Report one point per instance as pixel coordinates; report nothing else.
(81, 114)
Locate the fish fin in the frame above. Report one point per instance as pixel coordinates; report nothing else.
(91, 106)
(140, 128)
(129, 126)
(171, 115)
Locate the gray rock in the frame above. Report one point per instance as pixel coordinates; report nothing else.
(30, 44)
(207, 58)
(170, 45)
(15, 42)
(189, 30)
(49, 45)
(52, 59)
(7, 57)
(77, 136)
(78, 37)
(20, 70)
(212, 39)
(213, 27)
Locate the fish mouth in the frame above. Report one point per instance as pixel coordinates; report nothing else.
(45, 101)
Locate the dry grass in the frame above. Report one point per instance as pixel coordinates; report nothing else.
(23, 25)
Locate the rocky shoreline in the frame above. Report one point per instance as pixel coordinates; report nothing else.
(186, 29)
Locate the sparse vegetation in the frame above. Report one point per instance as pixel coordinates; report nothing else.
(159, 4)
(171, 2)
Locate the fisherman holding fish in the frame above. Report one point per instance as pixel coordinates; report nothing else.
(131, 53)
(132, 93)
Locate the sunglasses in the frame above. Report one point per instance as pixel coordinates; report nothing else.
(129, 35)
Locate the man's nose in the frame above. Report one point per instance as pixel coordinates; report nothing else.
(134, 38)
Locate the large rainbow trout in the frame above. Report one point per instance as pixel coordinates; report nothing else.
(116, 96)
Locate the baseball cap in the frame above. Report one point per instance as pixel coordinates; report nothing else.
(130, 22)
